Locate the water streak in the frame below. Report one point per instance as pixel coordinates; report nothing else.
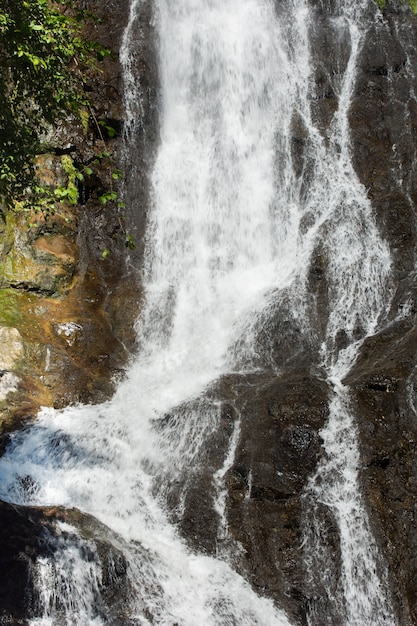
(359, 289)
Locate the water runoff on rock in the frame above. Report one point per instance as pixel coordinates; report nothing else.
(232, 225)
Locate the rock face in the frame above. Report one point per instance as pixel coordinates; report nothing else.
(267, 480)
(32, 538)
(68, 302)
(280, 416)
(384, 132)
(68, 299)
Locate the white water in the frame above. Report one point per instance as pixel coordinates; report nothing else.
(223, 241)
(359, 270)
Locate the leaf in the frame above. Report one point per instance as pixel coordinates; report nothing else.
(42, 59)
(129, 243)
(117, 174)
(109, 196)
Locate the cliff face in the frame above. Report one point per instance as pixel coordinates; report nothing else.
(384, 127)
(67, 309)
(66, 316)
(66, 321)
(281, 415)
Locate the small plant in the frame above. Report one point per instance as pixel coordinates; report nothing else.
(43, 58)
(43, 63)
(412, 3)
(69, 191)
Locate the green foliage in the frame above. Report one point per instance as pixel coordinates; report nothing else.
(43, 63)
(111, 132)
(69, 191)
(411, 3)
(42, 60)
(42, 197)
(129, 242)
(108, 196)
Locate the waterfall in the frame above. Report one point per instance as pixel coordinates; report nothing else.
(232, 226)
(359, 290)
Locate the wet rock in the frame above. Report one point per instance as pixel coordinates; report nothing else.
(383, 385)
(331, 48)
(143, 128)
(386, 358)
(278, 420)
(33, 539)
(73, 307)
(278, 449)
(384, 125)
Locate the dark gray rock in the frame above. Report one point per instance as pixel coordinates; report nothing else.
(29, 534)
(384, 133)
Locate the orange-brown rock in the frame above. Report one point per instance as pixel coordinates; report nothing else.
(66, 309)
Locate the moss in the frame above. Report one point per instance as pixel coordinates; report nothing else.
(39, 258)
(10, 308)
(27, 273)
(412, 3)
(24, 311)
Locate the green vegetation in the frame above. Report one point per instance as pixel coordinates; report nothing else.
(43, 58)
(412, 3)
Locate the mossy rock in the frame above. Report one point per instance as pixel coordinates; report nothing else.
(38, 258)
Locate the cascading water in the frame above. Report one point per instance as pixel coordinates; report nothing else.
(232, 226)
(359, 289)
